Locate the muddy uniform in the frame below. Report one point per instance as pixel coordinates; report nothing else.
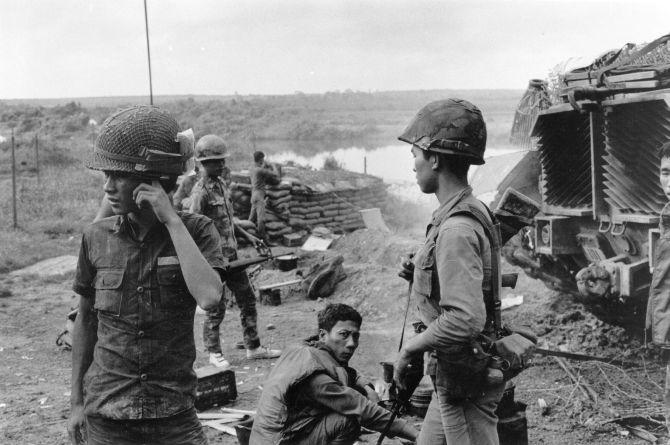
(210, 197)
(449, 273)
(309, 398)
(142, 365)
(261, 178)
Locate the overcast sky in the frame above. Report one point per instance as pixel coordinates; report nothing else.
(79, 48)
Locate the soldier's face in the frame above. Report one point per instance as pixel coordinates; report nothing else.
(665, 176)
(214, 167)
(118, 189)
(426, 173)
(342, 340)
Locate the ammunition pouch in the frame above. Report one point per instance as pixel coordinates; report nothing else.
(461, 371)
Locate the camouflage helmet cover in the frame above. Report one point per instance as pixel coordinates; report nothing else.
(210, 147)
(452, 126)
(142, 140)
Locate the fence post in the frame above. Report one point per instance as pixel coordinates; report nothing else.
(365, 165)
(37, 159)
(14, 182)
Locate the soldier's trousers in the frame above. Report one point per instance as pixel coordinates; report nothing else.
(257, 213)
(240, 286)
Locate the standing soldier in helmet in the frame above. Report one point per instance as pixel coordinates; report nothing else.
(452, 275)
(211, 197)
(140, 275)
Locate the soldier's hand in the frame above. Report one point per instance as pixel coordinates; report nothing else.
(257, 243)
(76, 426)
(371, 394)
(406, 267)
(153, 196)
(400, 368)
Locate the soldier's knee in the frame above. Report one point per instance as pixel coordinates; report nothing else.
(342, 429)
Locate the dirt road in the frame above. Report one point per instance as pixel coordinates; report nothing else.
(34, 401)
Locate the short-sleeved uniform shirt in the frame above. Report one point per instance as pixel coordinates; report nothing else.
(211, 197)
(143, 358)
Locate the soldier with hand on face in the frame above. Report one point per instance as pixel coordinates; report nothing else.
(140, 274)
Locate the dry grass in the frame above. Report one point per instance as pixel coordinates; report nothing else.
(50, 215)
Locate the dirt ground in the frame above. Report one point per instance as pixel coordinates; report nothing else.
(34, 400)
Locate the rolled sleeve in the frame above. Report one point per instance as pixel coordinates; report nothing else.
(460, 274)
(323, 390)
(209, 243)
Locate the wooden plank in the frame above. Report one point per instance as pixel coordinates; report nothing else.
(238, 411)
(219, 426)
(627, 77)
(225, 417)
(282, 284)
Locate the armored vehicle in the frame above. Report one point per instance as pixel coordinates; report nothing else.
(582, 208)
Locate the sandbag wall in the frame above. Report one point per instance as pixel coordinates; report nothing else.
(294, 208)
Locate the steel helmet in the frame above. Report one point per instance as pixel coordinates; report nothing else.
(143, 140)
(210, 147)
(452, 126)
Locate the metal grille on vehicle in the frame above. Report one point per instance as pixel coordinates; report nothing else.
(564, 146)
(631, 162)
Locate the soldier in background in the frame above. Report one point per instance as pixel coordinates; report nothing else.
(263, 174)
(140, 274)
(180, 199)
(211, 197)
(658, 305)
(451, 274)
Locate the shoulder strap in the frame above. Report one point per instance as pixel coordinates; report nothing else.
(492, 230)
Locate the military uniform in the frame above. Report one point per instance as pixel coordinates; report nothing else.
(261, 178)
(309, 398)
(452, 269)
(211, 197)
(658, 305)
(133, 349)
(453, 280)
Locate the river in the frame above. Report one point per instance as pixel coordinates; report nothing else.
(394, 164)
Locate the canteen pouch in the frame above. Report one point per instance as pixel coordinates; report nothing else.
(512, 351)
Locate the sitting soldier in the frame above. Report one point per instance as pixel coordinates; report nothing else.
(312, 396)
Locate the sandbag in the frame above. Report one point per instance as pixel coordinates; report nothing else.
(281, 200)
(320, 280)
(275, 194)
(297, 222)
(298, 210)
(280, 232)
(244, 223)
(275, 225)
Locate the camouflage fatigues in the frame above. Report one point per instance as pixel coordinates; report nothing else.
(211, 197)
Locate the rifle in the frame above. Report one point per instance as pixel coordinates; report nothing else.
(412, 378)
(239, 265)
(264, 254)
